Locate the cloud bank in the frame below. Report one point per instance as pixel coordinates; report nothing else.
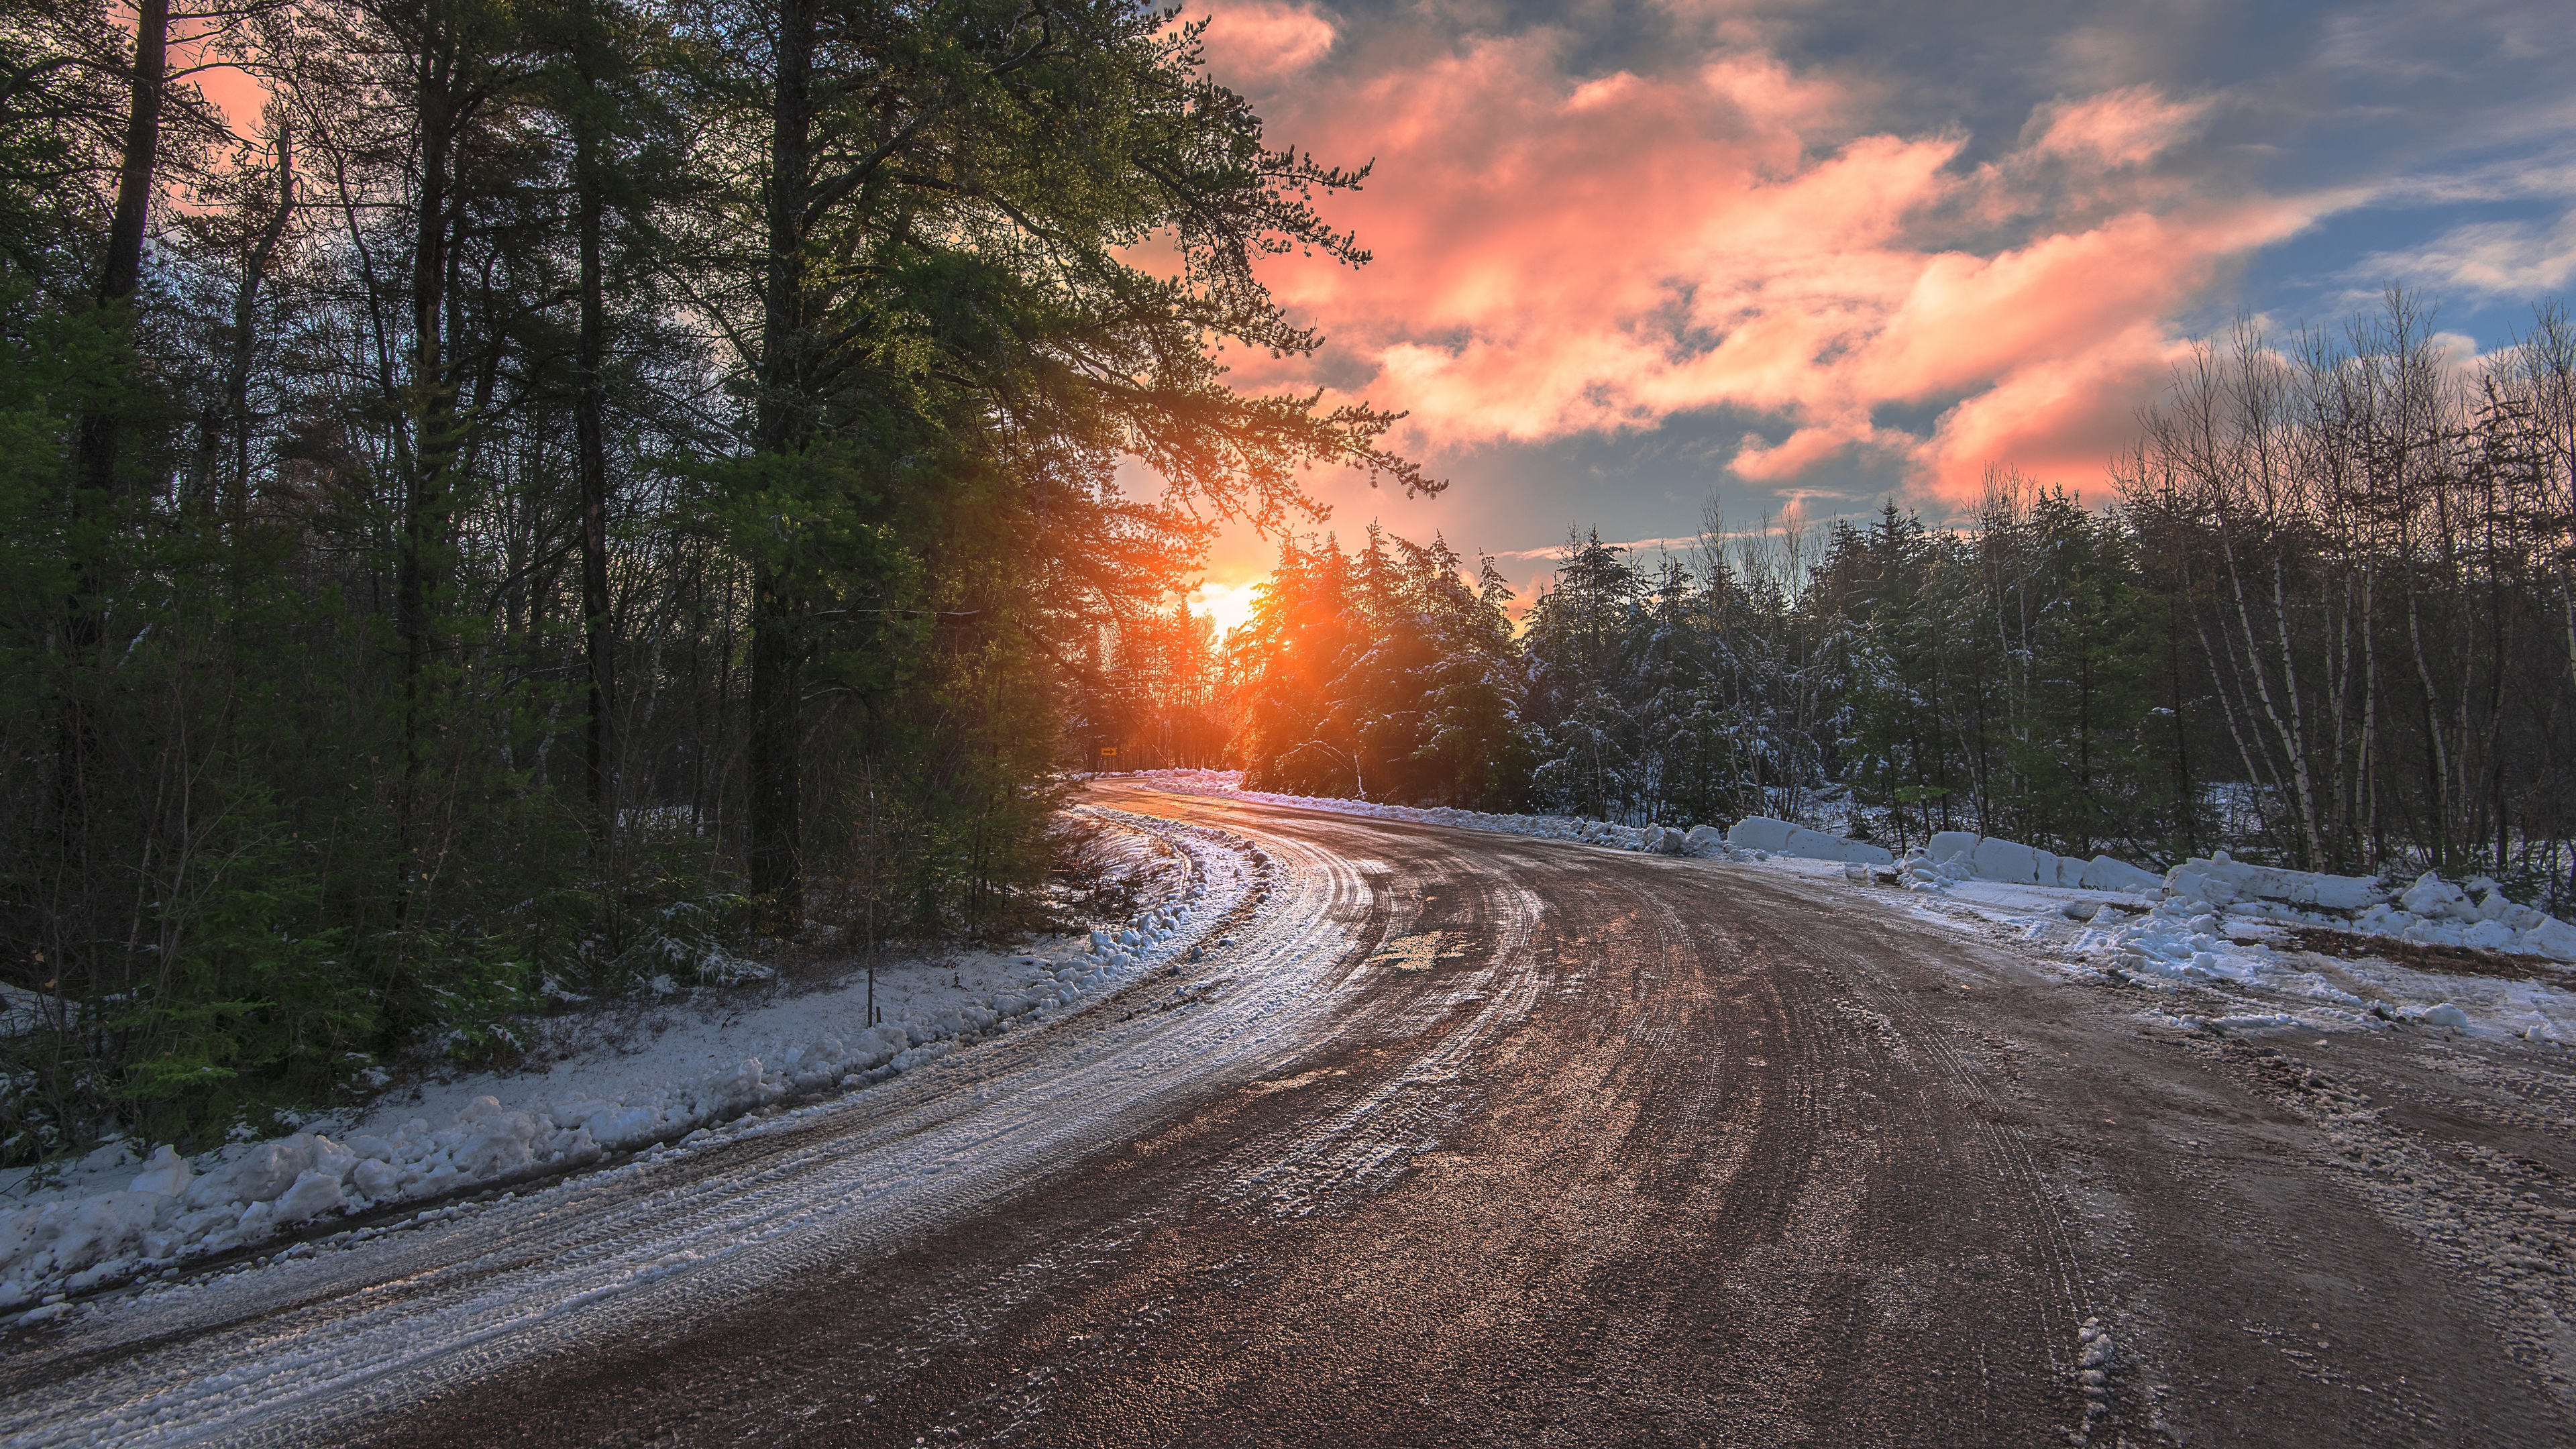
(1561, 253)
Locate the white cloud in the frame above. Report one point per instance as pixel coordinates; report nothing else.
(2508, 259)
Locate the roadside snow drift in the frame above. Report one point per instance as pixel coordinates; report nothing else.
(1779, 837)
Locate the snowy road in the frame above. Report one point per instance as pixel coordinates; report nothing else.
(1475, 1138)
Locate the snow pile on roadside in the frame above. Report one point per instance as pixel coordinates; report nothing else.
(2434, 912)
(178, 1208)
(1779, 837)
(2181, 939)
(2242, 967)
(2185, 940)
(1957, 855)
(2224, 924)
(2431, 912)
(2223, 881)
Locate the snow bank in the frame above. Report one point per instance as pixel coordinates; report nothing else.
(2197, 912)
(2221, 881)
(244, 1193)
(1779, 837)
(2434, 912)
(2186, 939)
(2431, 912)
(1956, 855)
(2244, 965)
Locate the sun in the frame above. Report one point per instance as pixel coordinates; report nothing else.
(1225, 605)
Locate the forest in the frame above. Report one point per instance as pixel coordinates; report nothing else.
(2325, 619)
(578, 494)
(576, 491)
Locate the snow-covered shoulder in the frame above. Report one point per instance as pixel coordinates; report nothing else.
(2266, 947)
(616, 1078)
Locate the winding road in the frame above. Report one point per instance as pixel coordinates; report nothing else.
(1462, 1138)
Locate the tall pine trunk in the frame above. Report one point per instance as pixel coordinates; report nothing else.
(77, 748)
(421, 554)
(123, 271)
(589, 404)
(777, 865)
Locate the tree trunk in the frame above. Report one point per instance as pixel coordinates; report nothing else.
(96, 448)
(589, 405)
(420, 559)
(777, 866)
(2287, 732)
(2371, 822)
(229, 420)
(123, 271)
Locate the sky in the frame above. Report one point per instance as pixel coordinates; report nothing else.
(1632, 257)
(1801, 259)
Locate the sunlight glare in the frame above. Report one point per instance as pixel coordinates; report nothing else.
(1226, 605)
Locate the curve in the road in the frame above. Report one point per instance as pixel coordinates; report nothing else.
(1470, 1139)
(1594, 1148)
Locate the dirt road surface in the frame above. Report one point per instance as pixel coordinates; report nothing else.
(1568, 1146)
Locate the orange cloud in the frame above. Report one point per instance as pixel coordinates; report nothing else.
(1558, 257)
(2060, 422)
(1264, 40)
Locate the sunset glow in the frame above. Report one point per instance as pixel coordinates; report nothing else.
(1225, 605)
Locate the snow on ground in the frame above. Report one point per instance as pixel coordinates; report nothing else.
(2231, 968)
(694, 1062)
(2234, 946)
(2284, 949)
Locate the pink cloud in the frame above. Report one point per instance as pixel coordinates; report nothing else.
(1767, 462)
(2126, 127)
(1557, 257)
(1260, 40)
(2059, 423)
